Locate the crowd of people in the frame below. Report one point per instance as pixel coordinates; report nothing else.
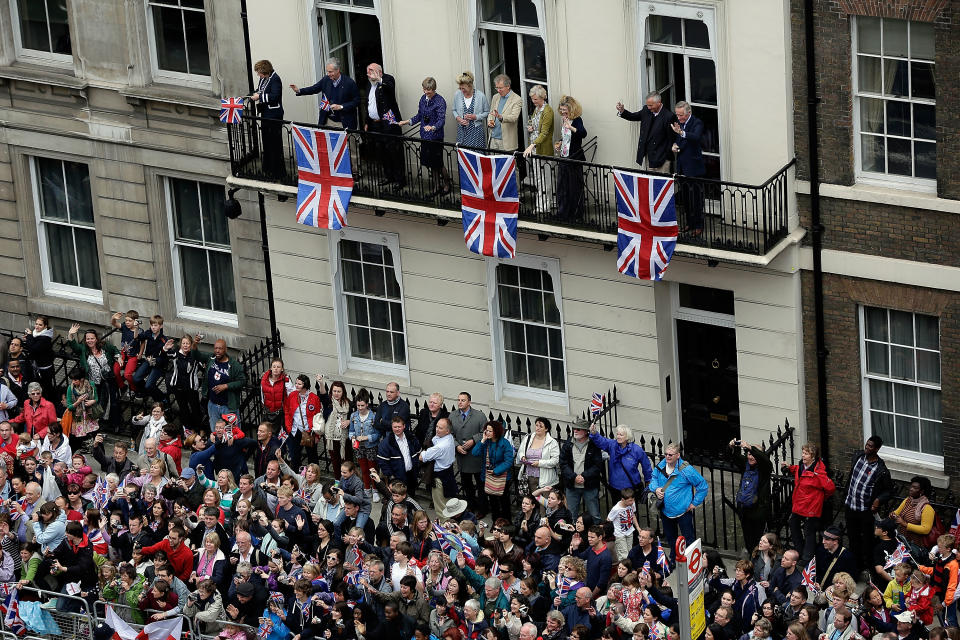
(669, 140)
(238, 528)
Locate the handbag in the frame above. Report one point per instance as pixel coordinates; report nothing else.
(654, 503)
(66, 422)
(494, 484)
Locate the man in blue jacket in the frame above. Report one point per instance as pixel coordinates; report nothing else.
(689, 130)
(682, 489)
(341, 93)
(399, 454)
(393, 406)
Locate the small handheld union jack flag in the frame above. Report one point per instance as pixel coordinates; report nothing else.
(563, 585)
(10, 608)
(662, 559)
(808, 577)
(900, 554)
(231, 109)
(324, 103)
(101, 494)
(646, 568)
(596, 405)
(389, 117)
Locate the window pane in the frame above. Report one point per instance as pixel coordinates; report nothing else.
(921, 40)
(59, 26)
(186, 210)
(357, 310)
(360, 342)
(898, 118)
(931, 438)
(530, 278)
(930, 404)
(901, 363)
(399, 349)
(381, 345)
(507, 274)
(350, 250)
(928, 331)
(539, 372)
(924, 121)
(877, 358)
(496, 11)
(198, 57)
(215, 229)
(873, 153)
(876, 320)
(78, 192)
(868, 35)
(895, 78)
(881, 395)
(509, 302)
(922, 80)
(905, 399)
(379, 314)
(908, 433)
(86, 241)
(532, 302)
(551, 312)
(53, 197)
(221, 272)
(195, 277)
(513, 339)
(373, 283)
(869, 78)
(535, 59)
(882, 424)
(556, 343)
(526, 13)
(928, 367)
(168, 32)
(390, 275)
(556, 375)
(516, 367)
(665, 30)
(336, 28)
(871, 115)
(352, 277)
(396, 316)
(710, 140)
(899, 160)
(33, 25)
(895, 38)
(696, 34)
(60, 252)
(537, 340)
(703, 81)
(925, 159)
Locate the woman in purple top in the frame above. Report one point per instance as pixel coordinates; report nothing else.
(431, 115)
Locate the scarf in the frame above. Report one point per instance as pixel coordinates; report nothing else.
(912, 511)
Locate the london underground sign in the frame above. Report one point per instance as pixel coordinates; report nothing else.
(690, 571)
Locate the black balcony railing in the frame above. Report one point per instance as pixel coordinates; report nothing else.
(714, 214)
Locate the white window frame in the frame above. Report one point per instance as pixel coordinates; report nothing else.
(319, 32)
(50, 287)
(708, 16)
(183, 310)
(347, 361)
(36, 55)
(192, 80)
(481, 61)
(502, 389)
(865, 377)
(925, 185)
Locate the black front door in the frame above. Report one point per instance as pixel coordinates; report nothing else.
(709, 398)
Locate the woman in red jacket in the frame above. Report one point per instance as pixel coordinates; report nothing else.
(38, 412)
(811, 486)
(275, 385)
(299, 409)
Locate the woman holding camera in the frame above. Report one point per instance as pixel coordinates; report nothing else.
(753, 495)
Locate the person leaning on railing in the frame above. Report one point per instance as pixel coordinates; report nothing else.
(505, 111)
(431, 116)
(268, 99)
(540, 131)
(126, 590)
(205, 606)
(570, 145)
(470, 110)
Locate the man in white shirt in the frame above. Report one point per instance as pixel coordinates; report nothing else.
(398, 454)
(443, 454)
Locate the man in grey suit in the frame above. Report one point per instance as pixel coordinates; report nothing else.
(467, 426)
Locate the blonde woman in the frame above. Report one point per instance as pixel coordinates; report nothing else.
(470, 110)
(570, 145)
(540, 131)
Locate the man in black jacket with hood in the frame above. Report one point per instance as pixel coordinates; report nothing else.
(580, 465)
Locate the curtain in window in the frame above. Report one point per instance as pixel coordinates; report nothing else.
(63, 266)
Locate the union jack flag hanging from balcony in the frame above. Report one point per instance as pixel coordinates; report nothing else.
(230, 110)
(325, 177)
(647, 224)
(488, 189)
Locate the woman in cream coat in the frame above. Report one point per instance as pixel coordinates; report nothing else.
(334, 426)
(538, 456)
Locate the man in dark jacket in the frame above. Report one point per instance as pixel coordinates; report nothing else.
(580, 465)
(119, 464)
(383, 114)
(267, 445)
(73, 562)
(139, 534)
(399, 454)
(341, 93)
(870, 486)
(785, 578)
(394, 405)
(753, 494)
(656, 136)
(833, 557)
(225, 379)
(690, 193)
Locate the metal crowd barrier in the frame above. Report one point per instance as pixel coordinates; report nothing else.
(220, 623)
(74, 625)
(100, 607)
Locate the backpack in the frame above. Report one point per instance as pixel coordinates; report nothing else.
(747, 493)
(936, 530)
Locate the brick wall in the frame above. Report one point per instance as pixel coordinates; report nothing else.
(841, 298)
(833, 58)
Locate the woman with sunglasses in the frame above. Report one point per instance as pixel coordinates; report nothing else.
(37, 414)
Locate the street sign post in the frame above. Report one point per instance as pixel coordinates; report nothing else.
(691, 574)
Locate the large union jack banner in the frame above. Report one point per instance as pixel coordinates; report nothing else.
(325, 177)
(647, 224)
(488, 189)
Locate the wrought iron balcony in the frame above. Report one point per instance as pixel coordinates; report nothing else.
(714, 214)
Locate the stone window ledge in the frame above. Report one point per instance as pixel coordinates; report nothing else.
(883, 195)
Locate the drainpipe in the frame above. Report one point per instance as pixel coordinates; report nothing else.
(816, 225)
(246, 44)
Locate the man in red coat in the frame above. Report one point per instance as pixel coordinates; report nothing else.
(179, 554)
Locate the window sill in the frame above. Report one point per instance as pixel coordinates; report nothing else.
(376, 380)
(43, 74)
(889, 195)
(514, 404)
(213, 319)
(173, 94)
(903, 469)
(59, 305)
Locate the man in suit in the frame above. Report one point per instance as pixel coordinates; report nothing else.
(342, 93)
(467, 427)
(505, 109)
(689, 130)
(653, 147)
(383, 114)
(268, 99)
